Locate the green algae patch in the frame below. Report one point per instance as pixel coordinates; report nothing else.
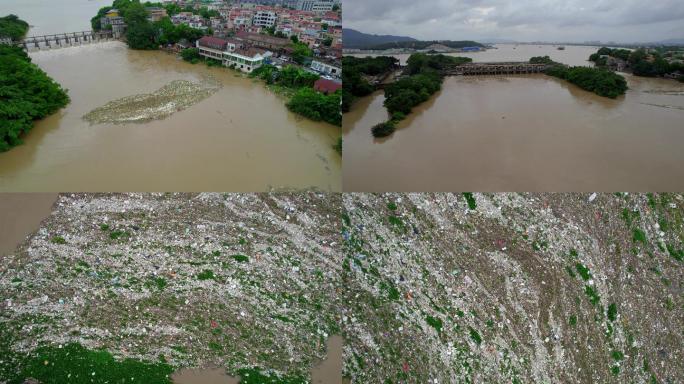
(255, 376)
(583, 271)
(435, 323)
(206, 275)
(475, 336)
(240, 258)
(173, 97)
(75, 364)
(592, 294)
(470, 200)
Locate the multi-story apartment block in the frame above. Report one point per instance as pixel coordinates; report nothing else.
(264, 18)
(315, 5)
(232, 53)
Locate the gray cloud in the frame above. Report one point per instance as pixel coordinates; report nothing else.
(618, 20)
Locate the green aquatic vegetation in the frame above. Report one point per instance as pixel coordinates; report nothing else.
(435, 323)
(240, 258)
(472, 204)
(539, 245)
(572, 320)
(58, 240)
(256, 376)
(115, 235)
(677, 254)
(615, 370)
(592, 294)
(392, 206)
(75, 364)
(639, 236)
(630, 216)
(612, 312)
(104, 227)
(159, 282)
(669, 304)
(570, 271)
(617, 355)
(475, 336)
(583, 271)
(206, 275)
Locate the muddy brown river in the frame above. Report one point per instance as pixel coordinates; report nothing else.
(241, 138)
(522, 133)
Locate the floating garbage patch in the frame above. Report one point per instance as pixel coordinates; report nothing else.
(173, 97)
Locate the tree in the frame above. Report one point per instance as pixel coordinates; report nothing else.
(301, 52)
(328, 41)
(317, 106)
(294, 39)
(13, 27)
(140, 32)
(190, 54)
(26, 94)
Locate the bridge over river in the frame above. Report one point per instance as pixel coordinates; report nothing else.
(495, 68)
(65, 39)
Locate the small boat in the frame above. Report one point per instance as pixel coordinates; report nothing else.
(561, 48)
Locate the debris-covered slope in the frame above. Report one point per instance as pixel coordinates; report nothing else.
(240, 280)
(517, 288)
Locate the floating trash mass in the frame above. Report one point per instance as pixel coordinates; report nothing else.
(173, 97)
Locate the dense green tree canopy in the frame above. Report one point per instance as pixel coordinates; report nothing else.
(26, 94)
(317, 106)
(301, 52)
(600, 81)
(142, 33)
(353, 83)
(13, 27)
(641, 62)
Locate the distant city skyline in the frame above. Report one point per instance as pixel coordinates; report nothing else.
(622, 21)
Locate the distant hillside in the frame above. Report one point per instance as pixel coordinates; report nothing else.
(359, 40)
(425, 44)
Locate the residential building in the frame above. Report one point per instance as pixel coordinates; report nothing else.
(232, 53)
(327, 67)
(155, 13)
(265, 18)
(315, 5)
(246, 60)
(327, 86)
(264, 41)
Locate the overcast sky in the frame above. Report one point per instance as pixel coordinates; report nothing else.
(522, 20)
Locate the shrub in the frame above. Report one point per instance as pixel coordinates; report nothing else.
(317, 106)
(383, 129)
(190, 54)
